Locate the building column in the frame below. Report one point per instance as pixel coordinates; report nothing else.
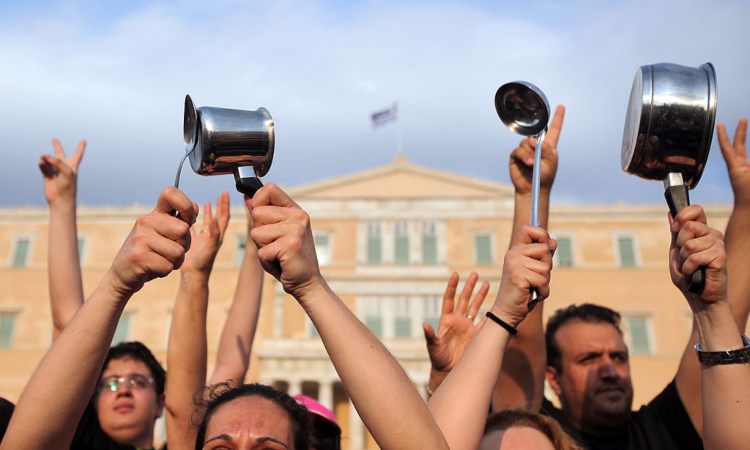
(295, 387)
(356, 429)
(325, 394)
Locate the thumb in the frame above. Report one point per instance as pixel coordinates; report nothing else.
(429, 334)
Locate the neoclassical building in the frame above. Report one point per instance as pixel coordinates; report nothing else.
(387, 240)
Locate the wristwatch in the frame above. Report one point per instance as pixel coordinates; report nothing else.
(737, 356)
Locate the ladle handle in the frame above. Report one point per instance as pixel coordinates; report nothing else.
(678, 199)
(535, 187)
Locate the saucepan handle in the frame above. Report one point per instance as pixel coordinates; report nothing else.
(678, 198)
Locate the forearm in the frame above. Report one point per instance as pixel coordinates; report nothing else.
(725, 388)
(522, 212)
(236, 343)
(67, 376)
(186, 357)
(63, 267)
(461, 403)
(382, 393)
(738, 261)
(521, 381)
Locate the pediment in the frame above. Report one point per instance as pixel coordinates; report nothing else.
(402, 179)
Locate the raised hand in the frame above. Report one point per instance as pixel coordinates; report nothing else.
(735, 155)
(284, 238)
(205, 243)
(522, 158)
(696, 245)
(527, 265)
(156, 245)
(60, 173)
(456, 328)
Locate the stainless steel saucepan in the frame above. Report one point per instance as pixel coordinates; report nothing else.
(668, 131)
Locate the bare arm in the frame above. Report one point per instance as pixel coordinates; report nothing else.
(688, 378)
(63, 265)
(724, 389)
(236, 344)
(521, 381)
(460, 404)
(186, 350)
(67, 375)
(381, 391)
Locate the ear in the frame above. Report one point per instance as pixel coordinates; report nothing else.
(551, 376)
(159, 406)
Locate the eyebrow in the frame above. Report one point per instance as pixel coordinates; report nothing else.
(226, 437)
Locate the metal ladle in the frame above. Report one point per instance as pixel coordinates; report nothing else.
(524, 109)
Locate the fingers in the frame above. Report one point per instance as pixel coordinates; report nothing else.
(478, 300)
(266, 234)
(463, 300)
(172, 199)
(693, 213)
(555, 127)
(272, 195)
(530, 234)
(75, 160)
(207, 217)
(740, 136)
(222, 213)
(429, 334)
(57, 146)
(450, 294)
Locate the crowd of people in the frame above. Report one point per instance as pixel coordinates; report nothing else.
(486, 388)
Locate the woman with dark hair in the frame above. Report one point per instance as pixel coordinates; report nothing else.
(277, 420)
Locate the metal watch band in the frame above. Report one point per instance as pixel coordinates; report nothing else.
(736, 356)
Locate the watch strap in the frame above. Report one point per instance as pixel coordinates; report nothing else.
(736, 356)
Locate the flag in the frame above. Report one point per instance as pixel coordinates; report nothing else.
(383, 117)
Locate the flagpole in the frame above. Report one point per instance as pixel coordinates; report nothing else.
(399, 137)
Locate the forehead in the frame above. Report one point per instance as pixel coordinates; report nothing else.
(250, 417)
(125, 366)
(578, 336)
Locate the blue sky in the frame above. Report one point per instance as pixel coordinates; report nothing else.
(116, 74)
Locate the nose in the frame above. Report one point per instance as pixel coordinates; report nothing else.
(124, 389)
(608, 369)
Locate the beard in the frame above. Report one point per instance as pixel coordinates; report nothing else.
(607, 406)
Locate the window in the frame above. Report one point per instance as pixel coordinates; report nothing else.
(626, 250)
(374, 316)
(483, 248)
(311, 330)
(323, 249)
(564, 252)
(7, 329)
(638, 335)
(429, 243)
(402, 319)
(431, 311)
(374, 255)
(21, 251)
(122, 332)
(401, 249)
(82, 245)
(239, 254)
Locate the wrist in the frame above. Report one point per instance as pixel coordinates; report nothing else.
(113, 288)
(717, 329)
(306, 293)
(62, 203)
(503, 314)
(194, 279)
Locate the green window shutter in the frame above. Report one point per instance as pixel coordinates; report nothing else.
(402, 250)
(122, 332)
(323, 249)
(375, 324)
(429, 249)
(7, 329)
(21, 254)
(483, 249)
(640, 344)
(564, 252)
(627, 251)
(403, 327)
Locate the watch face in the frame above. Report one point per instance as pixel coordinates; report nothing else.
(636, 126)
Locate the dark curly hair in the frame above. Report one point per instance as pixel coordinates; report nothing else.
(139, 352)
(221, 394)
(586, 312)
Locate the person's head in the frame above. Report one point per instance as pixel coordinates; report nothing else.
(511, 429)
(241, 417)
(326, 433)
(587, 367)
(130, 394)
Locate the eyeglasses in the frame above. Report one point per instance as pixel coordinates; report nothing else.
(133, 381)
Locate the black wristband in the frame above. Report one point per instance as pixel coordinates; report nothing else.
(736, 356)
(510, 328)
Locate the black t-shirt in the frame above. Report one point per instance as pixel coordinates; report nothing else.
(663, 424)
(90, 436)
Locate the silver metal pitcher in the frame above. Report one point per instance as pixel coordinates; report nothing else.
(222, 141)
